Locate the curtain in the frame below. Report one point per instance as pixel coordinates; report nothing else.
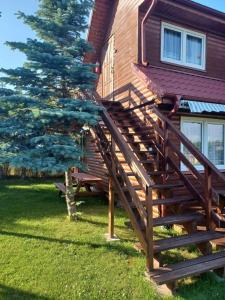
(172, 44)
(194, 50)
(216, 144)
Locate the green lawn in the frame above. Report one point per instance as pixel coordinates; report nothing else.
(44, 256)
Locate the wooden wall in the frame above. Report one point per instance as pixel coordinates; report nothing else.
(95, 163)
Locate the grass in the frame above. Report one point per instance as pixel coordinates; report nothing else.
(44, 256)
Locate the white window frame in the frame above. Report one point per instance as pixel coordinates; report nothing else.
(184, 32)
(204, 122)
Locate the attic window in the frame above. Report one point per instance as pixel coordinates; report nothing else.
(183, 47)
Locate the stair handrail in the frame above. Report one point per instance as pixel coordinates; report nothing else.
(126, 151)
(188, 144)
(210, 193)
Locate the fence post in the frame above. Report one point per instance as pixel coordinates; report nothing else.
(149, 230)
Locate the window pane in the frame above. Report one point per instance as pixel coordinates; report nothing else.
(193, 131)
(194, 50)
(172, 44)
(216, 144)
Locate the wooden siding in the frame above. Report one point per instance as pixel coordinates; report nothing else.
(96, 35)
(95, 162)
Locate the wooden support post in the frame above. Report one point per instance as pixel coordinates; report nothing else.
(149, 231)
(111, 208)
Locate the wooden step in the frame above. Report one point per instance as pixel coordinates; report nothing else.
(148, 161)
(130, 119)
(185, 240)
(130, 174)
(137, 133)
(153, 173)
(177, 219)
(160, 173)
(135, 187)
(173, 201)
(136, 127)
(167, 186)
(113, 103)
(136, 151)
(143, 152)
(149, 142)
(189, 268)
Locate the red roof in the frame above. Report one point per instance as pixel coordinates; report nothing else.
(166, 82)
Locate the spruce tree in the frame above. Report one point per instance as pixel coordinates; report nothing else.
(42, 110)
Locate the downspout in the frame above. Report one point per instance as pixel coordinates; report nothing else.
(176, 106)
(143, 35)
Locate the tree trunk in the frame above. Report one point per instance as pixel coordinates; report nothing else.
(70, 201)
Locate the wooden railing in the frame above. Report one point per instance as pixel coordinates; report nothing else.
(107, 146)
(169, 150)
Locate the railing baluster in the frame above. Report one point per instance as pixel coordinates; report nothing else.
(149, 230)
(208, 196)
(165, 145)
(164, 163)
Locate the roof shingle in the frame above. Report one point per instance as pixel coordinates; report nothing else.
(166, 82)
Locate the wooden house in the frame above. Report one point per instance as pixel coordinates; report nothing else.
(161, 79)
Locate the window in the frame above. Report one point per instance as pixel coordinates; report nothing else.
(172, 40)
(208, 136)
(183, 47)
(193, 131)
(216, 143)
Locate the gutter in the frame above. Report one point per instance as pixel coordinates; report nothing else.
(174, 111)
(143, 35)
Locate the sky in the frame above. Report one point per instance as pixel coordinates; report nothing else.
(14, 30)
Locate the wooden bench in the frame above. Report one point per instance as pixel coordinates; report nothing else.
(61, 187)
(82, 180)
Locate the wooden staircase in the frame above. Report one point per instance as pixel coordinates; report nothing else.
(144, 166)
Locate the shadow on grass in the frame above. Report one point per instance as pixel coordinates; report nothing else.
(97, 223)
(16, 202)
(207, 286)
(109, 246)
(7, 292)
